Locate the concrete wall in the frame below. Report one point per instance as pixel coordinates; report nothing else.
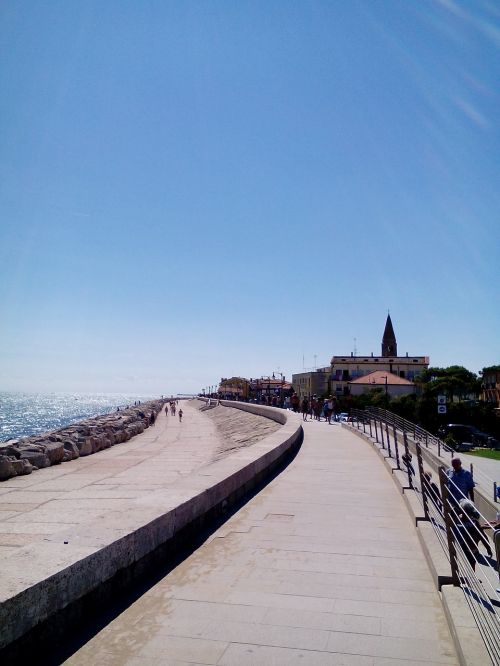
(44, 599)
(278, 415)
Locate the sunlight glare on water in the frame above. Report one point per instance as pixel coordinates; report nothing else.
(24, 414)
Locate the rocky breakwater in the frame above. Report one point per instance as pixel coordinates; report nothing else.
(22, 456)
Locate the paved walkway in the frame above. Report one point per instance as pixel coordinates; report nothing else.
(323, 567)
(489, 469)
(78, 491)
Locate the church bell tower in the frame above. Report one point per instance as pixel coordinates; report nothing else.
(389, 344)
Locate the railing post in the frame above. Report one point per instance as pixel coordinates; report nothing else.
(495, 498)
(407, 457)
(376, 430)
(364, 424)
(382, 433)
(370, 424)
(422, 480)
(396, 445)
(426, 439)
(388, 439)
(439, 448)
(443, 480)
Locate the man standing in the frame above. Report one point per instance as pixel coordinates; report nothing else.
(460, 482)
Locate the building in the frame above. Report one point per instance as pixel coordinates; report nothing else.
(490, 387)
(346, 369)
(268, 389)
(315, 382)
(393, 385)
(235, 388)
(343, 370)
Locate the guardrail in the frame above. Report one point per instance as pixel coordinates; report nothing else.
(457, 535)
(429, 441)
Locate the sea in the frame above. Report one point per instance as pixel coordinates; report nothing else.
(24, 414)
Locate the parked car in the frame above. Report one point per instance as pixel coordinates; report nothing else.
(344, 416)
(463, 434)
(493, 443)
(462, 447)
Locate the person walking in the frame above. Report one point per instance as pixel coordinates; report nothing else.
(180, 415)
(314, 406)
(305, 408)
(319, 408)
(331, 409)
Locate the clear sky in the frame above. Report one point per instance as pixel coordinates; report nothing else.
(191, 190)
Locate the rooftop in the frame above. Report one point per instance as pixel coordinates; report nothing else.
(380, 377)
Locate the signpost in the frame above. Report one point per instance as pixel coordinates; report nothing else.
(441, 399)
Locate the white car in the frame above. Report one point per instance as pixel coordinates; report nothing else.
(344, 416)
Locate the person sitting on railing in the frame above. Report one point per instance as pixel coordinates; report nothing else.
(433, 491)
(469, 533)
(460, 482)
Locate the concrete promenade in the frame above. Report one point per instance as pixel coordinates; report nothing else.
(323, 567)
(65, 496)
(74, 535)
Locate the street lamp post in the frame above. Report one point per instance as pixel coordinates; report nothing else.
(386, 398)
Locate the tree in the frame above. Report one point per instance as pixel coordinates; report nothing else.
(454, 382)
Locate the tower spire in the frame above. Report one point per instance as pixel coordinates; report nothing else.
(389, 344)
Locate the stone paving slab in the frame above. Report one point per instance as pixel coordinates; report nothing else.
(303, 574)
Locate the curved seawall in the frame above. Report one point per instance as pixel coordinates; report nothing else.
(48, 586)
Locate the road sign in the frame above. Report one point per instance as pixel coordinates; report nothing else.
(441, 409)
(441, 400)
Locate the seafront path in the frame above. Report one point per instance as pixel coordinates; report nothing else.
(76, 492)
(322, 567)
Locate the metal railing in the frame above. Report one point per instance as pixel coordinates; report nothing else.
(440, 505)
(428, 441)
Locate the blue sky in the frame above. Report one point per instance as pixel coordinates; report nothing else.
(190, 190)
